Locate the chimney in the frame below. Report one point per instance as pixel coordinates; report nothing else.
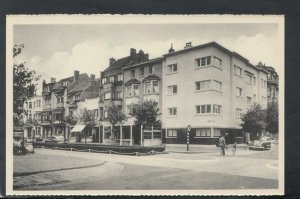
(188, 45)
(92, 77)
(171, 49)
(111, 61)
(53, 80)
(76, 75)
(44, 82)
(132, 53)
(146, 57)
(100, 78)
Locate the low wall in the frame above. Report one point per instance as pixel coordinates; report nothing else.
(98, 147)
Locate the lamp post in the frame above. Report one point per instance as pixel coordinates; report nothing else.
(188, 137)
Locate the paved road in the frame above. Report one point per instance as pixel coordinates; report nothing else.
(64, 170)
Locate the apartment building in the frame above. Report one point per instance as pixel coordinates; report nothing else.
(208, 87)
(111, 91)
(33, 106)
(272, 82)
(142, 81)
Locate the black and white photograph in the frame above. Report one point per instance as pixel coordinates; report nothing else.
(145, 105)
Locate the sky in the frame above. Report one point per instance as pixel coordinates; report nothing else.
(58, 50)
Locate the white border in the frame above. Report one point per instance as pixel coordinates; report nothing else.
(12, 20)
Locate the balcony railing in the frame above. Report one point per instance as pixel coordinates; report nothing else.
(47, 106)
(60, 105)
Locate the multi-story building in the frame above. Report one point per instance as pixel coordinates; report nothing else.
(55, 107)
(111, 90)
(33, 108)
(142, 81)
(208, 87)
(81, 98)
(272, 82)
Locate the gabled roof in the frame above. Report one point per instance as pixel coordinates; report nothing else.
(92, 91)
(78, 85)
(151, 61)
(151, 77)
(118, 64)
(132, 81)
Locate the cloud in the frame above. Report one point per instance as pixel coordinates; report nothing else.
(91, 56)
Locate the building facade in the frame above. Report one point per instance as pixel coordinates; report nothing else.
(32, 126)
(208, 87)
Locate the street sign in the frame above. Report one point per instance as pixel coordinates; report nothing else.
(189, 127)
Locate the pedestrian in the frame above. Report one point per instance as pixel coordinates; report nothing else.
(272, 147)
(234, 148)
(222, 144)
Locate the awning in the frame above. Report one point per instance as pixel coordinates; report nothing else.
(78, 128)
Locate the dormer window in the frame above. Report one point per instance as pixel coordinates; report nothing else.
(111, 78)
(65, 83)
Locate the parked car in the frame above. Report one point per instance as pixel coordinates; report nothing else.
(55, 139)
(264, 143)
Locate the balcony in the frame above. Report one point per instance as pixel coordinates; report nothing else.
(59, 105)
(45, 122)
(117, 102)
(47, 107)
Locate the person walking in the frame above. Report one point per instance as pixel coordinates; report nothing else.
(234, 148)
(222, 144)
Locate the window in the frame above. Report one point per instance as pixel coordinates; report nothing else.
(142, 71)
(111, 78)
(172, 111)
(248, 100)
(263, 83)
(96, 113)
(65, 83)
(105, 114)
(107, 96)
(202, 85)
(218, 62)
(172, 68)
(119, 94)
(120, 77)
(237, 70)
(254, 97)
(33, 104)
(132, 73)
(147, 87)
(129, 90)
(203, 109)
(172, 89)
(238, 92)
(238, 112)
(217, 85)
(172, 133)
(264, 99)
(217, 109)
(30, 105)
(254, 80)
(136, 89)
(155, 86)
(204, 61)
(249, 78)
(203, 133)
(104, 80)
(217, 132)
(151, 70)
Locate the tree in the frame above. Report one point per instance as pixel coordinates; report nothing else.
(146, 113)
(68, 120)
(272, 118)
(24, 84)
(115, 115)
(89, 120)
(254, 121)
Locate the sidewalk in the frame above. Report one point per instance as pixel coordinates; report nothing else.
(242, 149)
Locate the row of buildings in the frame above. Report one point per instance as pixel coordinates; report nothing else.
(205, 86)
